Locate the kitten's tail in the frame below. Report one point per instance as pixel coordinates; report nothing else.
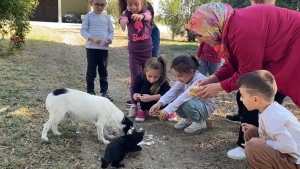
(104, 163)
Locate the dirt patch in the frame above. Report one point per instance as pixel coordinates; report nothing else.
(78, 146)
(168, 148)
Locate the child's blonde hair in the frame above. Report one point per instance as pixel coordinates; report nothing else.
(159, 64)
(122, 5)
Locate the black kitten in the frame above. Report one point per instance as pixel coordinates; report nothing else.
(116, 150)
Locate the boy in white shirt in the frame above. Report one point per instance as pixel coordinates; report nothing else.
(276, 142)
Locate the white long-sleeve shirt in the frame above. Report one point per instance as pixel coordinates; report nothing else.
(281, 129)
(98, 25)
(179, 94)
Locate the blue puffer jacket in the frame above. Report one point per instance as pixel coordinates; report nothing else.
(155, 40)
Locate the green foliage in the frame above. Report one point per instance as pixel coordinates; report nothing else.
(170, 11)
(14, 23)
(290, 4)
(112, 10)
(177, 13)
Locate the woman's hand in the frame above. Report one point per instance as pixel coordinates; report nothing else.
(137, 17)
(208, 80)
(154, 108)
(145, 98)
(123, 24)
(210, 90)
(163, 115)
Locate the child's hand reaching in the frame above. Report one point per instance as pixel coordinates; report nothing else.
(136, 96)
(137, 17)
(95, 39)
(123, 24)
(154, 108)
(163, 115)
(145, 98)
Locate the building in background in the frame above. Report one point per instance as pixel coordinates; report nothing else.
(61, 10)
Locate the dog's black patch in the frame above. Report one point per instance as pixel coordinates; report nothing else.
(60, 91)
(116, 150)
(128, 124)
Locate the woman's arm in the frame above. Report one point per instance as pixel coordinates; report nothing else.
(248, 53)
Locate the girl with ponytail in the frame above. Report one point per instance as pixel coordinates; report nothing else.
(150, 86)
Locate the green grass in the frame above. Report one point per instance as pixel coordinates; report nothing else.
(25, 81)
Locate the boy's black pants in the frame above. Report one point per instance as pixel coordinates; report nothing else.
(96, 58)
(251, 117)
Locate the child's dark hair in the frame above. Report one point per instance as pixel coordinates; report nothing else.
(184, 63)
(123, 5)
(264, 1)
(160, 64)
(259, 82)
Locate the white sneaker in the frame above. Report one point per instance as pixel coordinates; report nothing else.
(183, 123)
(237, 153)
(195, 127)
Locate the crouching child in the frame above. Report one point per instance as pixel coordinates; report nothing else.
(276, 141)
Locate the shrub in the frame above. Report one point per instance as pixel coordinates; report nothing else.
(14, 24)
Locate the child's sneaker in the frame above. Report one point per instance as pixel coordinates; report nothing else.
(132, 111)
(172, 117)
(183, 123)
(141, 115)
(195, 127)
(107, 95)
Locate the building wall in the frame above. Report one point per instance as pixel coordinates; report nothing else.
(77, 6)
(47, 11)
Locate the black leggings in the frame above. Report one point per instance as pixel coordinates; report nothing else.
(251, 117)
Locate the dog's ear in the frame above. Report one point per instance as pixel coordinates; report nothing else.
(126, 121)
(126, 129)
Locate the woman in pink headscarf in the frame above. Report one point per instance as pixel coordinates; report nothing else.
(253, 38)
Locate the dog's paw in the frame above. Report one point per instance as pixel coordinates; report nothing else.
(105, 142)
(57, 133)
(111, 137)
(44, 138)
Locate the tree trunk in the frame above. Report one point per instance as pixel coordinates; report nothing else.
(191, 36)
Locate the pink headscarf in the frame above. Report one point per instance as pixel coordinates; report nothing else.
(211, 20)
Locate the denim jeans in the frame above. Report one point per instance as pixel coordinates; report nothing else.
(96, 58)
(194, 109)
(208, 67)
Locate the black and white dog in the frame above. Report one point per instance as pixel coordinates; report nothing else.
(116, 151)
(84, 107)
